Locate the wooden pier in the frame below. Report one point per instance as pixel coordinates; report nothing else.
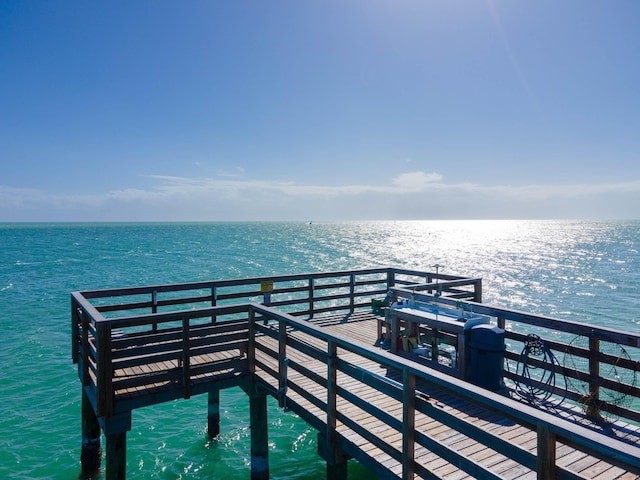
(314, 343)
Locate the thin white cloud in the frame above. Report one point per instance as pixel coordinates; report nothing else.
(403, 184)
(237, 172)
(196, 198)
(416, 181)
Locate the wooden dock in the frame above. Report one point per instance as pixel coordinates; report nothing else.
(313, 343)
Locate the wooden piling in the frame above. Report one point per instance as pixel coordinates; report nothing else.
(336, 459)
(259, 436)
(116, 456)
(213, 413)
(91, 453)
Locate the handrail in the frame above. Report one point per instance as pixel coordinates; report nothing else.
(387, 275)
(550, 429)
(568, 326)
(114, 292)
(91, 329)
(593, 354)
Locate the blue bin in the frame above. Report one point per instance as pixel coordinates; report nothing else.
(486, 347)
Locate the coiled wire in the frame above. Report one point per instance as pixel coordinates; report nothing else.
(536, 383)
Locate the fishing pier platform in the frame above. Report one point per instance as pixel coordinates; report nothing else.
(315, 343)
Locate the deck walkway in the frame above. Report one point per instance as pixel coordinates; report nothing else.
(134, 386)
(324, 361)
(362, 327)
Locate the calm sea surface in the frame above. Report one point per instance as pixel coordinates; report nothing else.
(582, 271)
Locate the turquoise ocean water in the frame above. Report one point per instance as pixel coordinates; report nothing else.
(582, 271)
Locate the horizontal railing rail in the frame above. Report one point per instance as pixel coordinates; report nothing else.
(548, 429)
(171, 336)
(589, 387)
(283, 290)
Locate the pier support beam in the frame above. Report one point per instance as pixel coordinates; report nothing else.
(91, 453)
(116, 456)
(338, 469)
(336, 459)
(259, 436)
(213, 413)
(115, 430)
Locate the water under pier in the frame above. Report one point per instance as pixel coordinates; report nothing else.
(314, 342)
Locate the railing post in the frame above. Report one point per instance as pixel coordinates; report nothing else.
(154, 307)
(332, 375)
(546, 453)
(214, 302)
(336, 459)
(593, 407)
(408, 424)
(104, 393)
(391, 278)
(312, 284)
(186, 357)
(282, 367)
(154, 301)
(86, 379)
(477, 291)
(75, 331)
(430, 278)
(251, 344)
(435, 351)
(352, 291)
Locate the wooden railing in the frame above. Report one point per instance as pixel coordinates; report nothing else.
(178, 322)
(265, 322)
(603, 395)
(299, 295)
(163, 337)
(105, 323)
(549, 429)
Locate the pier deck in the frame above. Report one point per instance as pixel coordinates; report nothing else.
(394, 415)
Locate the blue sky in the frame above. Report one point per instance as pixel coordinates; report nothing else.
(319, 110)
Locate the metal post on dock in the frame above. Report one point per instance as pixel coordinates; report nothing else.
(213, 413)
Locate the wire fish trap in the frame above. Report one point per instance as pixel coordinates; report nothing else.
(603, 386)
(537, 378)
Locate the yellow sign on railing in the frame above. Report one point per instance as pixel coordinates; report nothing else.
(266, 287)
